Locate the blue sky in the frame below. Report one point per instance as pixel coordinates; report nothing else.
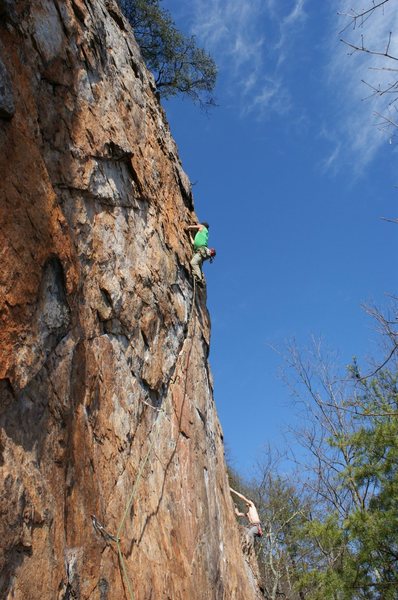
(293, 174)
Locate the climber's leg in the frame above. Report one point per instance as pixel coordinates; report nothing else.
(252, 532)
(196, 264)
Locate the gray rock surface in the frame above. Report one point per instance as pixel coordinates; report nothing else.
(7, 107)
(106, 403)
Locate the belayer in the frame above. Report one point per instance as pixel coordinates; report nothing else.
(201, 251)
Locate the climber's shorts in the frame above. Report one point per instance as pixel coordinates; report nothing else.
(255, 530)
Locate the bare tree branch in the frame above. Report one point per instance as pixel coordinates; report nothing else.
(354, 16)
(390, 220)
(362, 48)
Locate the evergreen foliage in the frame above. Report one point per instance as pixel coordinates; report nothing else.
(373, 527)
(178, 65)
(331, 531)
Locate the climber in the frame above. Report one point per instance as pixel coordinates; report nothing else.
(201, 252)
(254, 528)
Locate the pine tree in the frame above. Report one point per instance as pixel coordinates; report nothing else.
(178, 64)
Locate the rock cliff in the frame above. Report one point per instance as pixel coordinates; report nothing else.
(108, 425)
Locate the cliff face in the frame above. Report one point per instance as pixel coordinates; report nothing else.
(106, 395)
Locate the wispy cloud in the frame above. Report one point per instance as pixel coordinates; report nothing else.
(249, 40)
(296, 14)
(270, 95)
(355, 76)
(287, 25)
(231, 29)
(331, 162)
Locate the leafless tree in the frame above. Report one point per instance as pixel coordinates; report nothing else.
(322, 395)
(387, 328)
(333, 409)
(281, 506)
(357, 22)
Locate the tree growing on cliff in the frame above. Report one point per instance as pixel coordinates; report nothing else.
(178, 65)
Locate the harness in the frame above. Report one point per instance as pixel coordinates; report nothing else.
(259, 529)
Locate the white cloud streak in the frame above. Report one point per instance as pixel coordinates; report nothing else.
(356, 134)
(254, 43)
(238, 33)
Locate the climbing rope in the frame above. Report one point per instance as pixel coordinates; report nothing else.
(193, 304)
(128, 507)
(97, 525)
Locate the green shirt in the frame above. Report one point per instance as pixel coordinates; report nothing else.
(201, 238)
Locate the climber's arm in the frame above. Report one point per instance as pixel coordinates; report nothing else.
(241, 496)
(193, 227)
